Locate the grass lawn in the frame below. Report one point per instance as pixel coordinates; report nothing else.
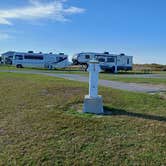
(40, 125)
(116, 77)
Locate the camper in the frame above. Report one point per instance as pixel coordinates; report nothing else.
(40, 60)
(108, 62)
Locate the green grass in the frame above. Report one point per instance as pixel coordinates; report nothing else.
(121, 78)
(40, 125)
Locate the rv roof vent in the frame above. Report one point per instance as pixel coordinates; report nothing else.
(61, 53)
(106, 52)
(31, 52)
(122, 54)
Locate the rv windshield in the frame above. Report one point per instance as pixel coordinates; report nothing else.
(87, 56)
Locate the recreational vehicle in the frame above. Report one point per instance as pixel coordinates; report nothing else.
(40, 60)
(108, 62)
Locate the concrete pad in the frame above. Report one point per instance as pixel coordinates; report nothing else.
(93, 105)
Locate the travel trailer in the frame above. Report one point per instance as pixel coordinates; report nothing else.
(40, 60)
(108, 62)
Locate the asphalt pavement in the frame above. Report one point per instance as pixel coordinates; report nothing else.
(134, 87)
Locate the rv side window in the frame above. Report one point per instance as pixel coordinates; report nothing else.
(87, 57)
(101, 60)
(18, 57)
(110, 60)
(128, 61)
(33, 57)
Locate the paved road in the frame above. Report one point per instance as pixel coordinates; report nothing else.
(135, 87)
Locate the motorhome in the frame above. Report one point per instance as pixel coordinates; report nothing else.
(40, 60)
(108, 62)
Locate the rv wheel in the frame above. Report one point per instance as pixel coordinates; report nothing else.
(113, 69)
(86, 67)
(19, 66)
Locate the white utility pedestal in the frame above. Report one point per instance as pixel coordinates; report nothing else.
(116, 65)
(93, 103)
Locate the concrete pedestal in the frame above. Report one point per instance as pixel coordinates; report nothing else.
(93, 105)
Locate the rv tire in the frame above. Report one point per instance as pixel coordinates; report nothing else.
(86, 67)
(19, 66)
(113, 69)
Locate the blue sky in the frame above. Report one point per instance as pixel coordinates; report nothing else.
(135, 27)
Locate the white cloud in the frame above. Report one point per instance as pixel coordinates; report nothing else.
(73, 10)
(4, 36)
(4, 21)
(39, 10)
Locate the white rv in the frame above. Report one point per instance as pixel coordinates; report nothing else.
(40, 60)
(108, 62)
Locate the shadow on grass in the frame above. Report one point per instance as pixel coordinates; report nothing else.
(115, 112)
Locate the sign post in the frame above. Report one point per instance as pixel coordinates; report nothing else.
(93, 103)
